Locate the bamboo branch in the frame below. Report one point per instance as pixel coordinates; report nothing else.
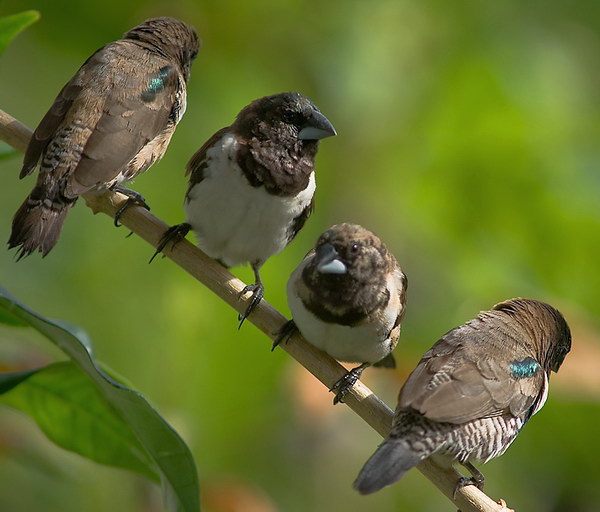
(361, 399)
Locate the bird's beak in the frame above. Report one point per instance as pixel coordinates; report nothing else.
(316, 128)
(328, 261)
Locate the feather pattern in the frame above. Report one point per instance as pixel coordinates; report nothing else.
(354, 316)
(109, 123)
(473, 391)
(252, 183)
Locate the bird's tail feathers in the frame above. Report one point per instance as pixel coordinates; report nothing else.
(392, 459)
(37, 224)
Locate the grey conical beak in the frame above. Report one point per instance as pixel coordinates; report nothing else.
(328, 262)
(316, 128)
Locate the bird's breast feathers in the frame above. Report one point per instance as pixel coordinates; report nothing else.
(234, 221)
(367, 341)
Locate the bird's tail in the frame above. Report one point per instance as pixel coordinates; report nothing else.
(394, 457)
(37, 223)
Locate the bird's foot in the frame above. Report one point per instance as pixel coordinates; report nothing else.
(133, 198)
(287, 330)
(463, 481)
(344, 385)
(174, 234)
(477, 479)
(258, 291)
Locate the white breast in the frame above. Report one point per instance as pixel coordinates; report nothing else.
(367, 342)
(235, 222)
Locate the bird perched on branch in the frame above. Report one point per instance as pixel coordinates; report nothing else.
(472, 392)
(252, 184)
(109, 123)
(347, 298)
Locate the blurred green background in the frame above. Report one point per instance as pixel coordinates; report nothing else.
(468, 140)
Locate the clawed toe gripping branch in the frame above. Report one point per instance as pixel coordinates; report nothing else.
(214, 276)
(133, 198)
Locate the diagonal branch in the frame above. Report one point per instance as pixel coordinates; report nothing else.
(361, 399)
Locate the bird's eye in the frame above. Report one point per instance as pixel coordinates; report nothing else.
(354, 248)
(289, 117)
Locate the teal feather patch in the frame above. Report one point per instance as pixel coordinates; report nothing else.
(527, 367)
(156, 84)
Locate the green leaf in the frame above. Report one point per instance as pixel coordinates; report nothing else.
(10, 319)
(170, 456)
(11, 25)
(9, 381)
(70, 410)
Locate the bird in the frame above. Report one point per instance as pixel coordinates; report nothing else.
(348, 297)
(472, 392)
(252, 185)
(109, 123)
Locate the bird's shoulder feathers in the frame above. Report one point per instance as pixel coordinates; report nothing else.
(196, 166)
(120, 99)
(475, 371)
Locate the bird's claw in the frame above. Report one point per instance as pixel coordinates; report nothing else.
(258, 291)
(284, 333)
(133, 198)
(174, 234)
(464, 481)
(344, 385)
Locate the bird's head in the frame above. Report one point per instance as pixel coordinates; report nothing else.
(547, 331)
(170, 37)
(288, 118)
(350, 252)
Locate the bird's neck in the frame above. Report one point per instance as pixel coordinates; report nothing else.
(281, 170)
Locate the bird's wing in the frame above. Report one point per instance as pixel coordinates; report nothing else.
(300, 220)
(401, 282)
(49, 125)
(134, 111)
(472, 372)
(396, 289)
(199, 161)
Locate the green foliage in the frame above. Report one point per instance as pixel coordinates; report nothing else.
(8, 318)
(81, 408)
(6, 151)
(10, 26)
(73, 414)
